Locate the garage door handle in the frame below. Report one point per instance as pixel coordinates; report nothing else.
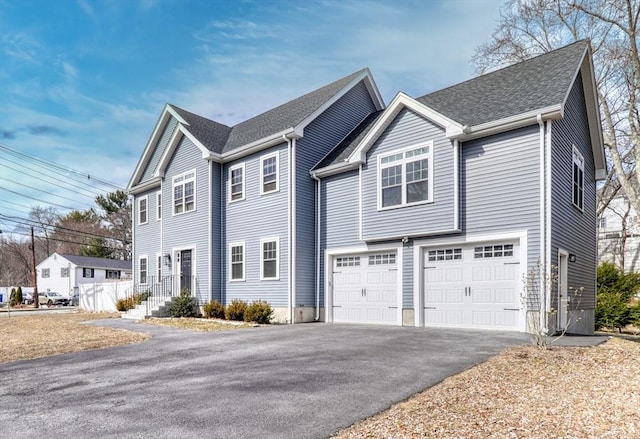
(393, 307)
(429, 307)
(512, 309)
(337, 306)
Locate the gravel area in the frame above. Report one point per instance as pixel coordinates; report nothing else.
(525, 392)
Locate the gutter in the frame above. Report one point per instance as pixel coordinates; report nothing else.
(291, 219)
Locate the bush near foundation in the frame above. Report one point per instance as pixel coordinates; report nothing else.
(213, 310)
(259, 312)
(184, 305)
(235, 310)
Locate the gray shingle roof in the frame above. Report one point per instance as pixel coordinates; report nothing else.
(89, 262)
(220, 138)
(533, 84)
(344, 149)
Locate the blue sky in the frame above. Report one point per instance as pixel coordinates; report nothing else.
(83, 82)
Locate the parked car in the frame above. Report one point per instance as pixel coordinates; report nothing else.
(52, 298)
(27, 298)
(75, 299)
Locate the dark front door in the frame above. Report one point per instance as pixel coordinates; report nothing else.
(185, 270)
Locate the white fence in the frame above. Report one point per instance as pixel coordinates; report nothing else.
(103, 297)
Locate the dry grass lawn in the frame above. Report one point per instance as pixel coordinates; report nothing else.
(207, 325)
(34, 336)
(525, 392)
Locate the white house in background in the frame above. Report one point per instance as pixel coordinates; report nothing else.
(619, 235)
(64, 273)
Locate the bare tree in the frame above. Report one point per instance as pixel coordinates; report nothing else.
(530, 27)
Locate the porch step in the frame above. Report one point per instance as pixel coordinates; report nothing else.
(160, 309)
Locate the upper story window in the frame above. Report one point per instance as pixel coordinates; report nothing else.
(405, 177)
(45, 272)
(236, 261)
(64, 272)
(184, 192)
(87, 272)
(578, 179)
(158, 206)
(236, 183)
(269, 173)
(143, 210)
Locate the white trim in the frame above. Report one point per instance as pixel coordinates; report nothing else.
(146, 186)
(275, 239)
(419, 247)
(542, 212)
(360, 217)
(244, 261)
(176, 264)
(139, 200)
(420, 234)
(294, 221)
(180, 132)
(159, 205)
(159, 266)
(210, 231)
(244, 182)
(403, 184)
(456, 184)
(275, 155)
(183, 183)
(547, 232)
(330, 254)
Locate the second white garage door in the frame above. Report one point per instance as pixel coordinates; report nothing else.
(473, 286)
(365, 288)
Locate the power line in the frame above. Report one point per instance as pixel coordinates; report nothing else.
(51, 228)
(60, 167)
(42, 190)
(39, 200)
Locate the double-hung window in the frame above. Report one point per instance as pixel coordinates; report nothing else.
(142, 270)
(269, 173)
(112, 274)
(184, 192)
(64, 272)
(45, 272)
(88, 272)
(578, 179)
(269, 259)
(405, 177)
(236, 183)
(236, 261)
(143, 210)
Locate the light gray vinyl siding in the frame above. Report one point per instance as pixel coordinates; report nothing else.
(188, 229)
(217, 240)
(320, 136)
(167, 132)
(147, 236)
(338, 217)
(407, 276)
(406, 130)
(252, 219)
(571, 229)
(501, 186)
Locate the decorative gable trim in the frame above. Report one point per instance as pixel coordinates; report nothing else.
(180, 132)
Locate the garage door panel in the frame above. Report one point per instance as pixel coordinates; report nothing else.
(473, 287)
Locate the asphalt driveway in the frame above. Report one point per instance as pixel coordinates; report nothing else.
(300, 381)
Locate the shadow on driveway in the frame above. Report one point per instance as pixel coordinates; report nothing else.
(294, 381)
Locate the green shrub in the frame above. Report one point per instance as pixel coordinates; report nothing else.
(612, 279)
(259, 311)
(184, 305)
(235, 310)
(12, 297)
(19, 296)
(141, 297)
(213, 310)
(612, 311)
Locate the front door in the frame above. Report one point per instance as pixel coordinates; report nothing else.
(185, 270)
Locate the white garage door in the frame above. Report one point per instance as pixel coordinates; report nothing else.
(474, 286)
(365, 288)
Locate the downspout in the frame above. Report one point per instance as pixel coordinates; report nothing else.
(318, 243)
(210, 231)
(289, 226)
(543, 229)
(548, 219)
(223, 245)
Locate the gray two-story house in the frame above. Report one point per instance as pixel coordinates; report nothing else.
(432, 211)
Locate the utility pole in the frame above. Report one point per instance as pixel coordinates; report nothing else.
(36, 302)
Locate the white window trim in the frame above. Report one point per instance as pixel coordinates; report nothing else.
(577, 158)
(159, 260)
(403, 162)
(262, 159)
(140, 199)
(183, 182)
(244, 261)
(145, 257)
(277, 241)
(158, 206)
(244, 182)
